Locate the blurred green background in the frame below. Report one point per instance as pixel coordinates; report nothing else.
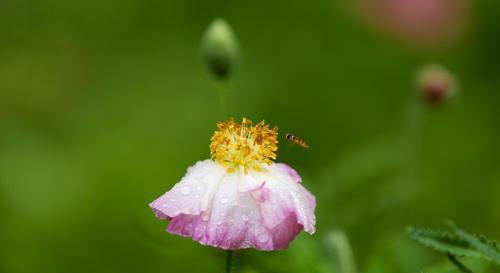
(104, 104)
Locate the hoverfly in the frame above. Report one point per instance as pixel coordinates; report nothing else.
(297, 141)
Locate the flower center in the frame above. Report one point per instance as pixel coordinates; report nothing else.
(244, 145)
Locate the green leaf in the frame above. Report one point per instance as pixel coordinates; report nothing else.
(489, 249)
(442, 241)
(458, 264)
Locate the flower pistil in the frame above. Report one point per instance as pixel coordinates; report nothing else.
(244, 146)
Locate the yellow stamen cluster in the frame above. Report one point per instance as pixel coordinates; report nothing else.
(244, 145)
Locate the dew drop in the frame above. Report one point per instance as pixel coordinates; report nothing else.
(199, 174)
(244, 217)
(204, 216)
(263, 237)
(186, 190)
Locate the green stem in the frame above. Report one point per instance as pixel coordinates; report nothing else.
(412, 128)
(223, 98)
(458, 264)
(229, 259)
(341, 249)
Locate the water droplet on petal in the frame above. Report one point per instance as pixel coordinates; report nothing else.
(199, 174)
(186, 190)
(263, 237)
(224, 200)
(204, 216)
(244, 217)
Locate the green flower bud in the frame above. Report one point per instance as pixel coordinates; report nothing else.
(219, 48)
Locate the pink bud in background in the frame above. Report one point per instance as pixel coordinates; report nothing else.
(435, 84)
(423, 22)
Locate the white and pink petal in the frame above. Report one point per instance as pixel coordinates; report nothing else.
(193, 194)
(264, 210)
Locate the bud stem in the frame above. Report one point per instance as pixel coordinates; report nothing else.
(223, 98)
(411, 140)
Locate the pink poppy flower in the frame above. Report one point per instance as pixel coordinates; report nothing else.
(240, 198)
